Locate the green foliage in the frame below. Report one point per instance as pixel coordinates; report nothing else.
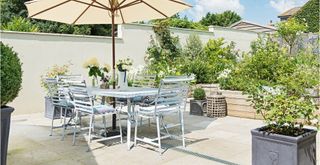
(176, 21)
(284, 112)
(20, 24)
(309, 13)
(10, 9)
(53, 72)
(263, 66)
(220, 56)
(163, 52)
(199, 94)
(224, 19)
(289, 31)
(193, 47)
(11, 74)
(305, 73)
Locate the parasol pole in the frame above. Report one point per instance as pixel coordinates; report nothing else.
(114, 117)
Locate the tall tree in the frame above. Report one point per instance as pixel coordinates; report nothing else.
(224, 19)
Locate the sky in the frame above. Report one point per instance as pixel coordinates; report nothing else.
(258, 11)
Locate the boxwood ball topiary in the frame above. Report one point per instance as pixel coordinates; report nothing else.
(199, 94)
(11, 74)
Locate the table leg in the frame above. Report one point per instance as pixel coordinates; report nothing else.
(129, 124)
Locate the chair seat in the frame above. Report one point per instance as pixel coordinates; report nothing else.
(161, 109)
(64, 104)
(101, 109)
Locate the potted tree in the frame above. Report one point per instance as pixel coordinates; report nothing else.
(11, 78)
(284, 140)
(197, 104)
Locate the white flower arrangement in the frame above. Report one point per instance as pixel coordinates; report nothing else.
(124, 65)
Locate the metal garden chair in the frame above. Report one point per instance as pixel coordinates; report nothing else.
(171, 99)
(58, 98)
(84, 104)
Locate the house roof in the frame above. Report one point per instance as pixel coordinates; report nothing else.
(289, 12)
(250, 26)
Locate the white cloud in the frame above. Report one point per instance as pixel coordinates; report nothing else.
(202, 7)
(284, 5)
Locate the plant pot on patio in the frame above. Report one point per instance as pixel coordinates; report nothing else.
(11, 78)
(198, 105)
(281, 149)
(5, 129)
(284, 140)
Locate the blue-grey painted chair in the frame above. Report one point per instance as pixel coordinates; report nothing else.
(171, 99)
(58, 98)
(84, 104)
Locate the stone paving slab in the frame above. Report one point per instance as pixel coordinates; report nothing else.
(209, 141)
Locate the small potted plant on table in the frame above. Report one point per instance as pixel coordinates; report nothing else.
(197, 104)
(11, 78)
(284, 140)
(123, 67)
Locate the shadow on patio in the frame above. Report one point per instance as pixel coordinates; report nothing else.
(209, 141)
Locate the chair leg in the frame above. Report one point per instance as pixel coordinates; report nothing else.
(74, 134)
(93, 123)
(140, 121)
(104, 123)
(51, 131)
(90, 127)
(158, 132)
(136, 130)
(182, 128)
(75, 128)
(120, 127)
(64, 124)
(61, 111)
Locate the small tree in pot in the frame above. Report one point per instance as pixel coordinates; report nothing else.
(11, 78)
(197, 105)
(284, 140)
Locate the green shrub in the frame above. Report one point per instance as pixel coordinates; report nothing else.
(283, 112)
(220, 56)
(264, 65)
(199, 94)
(11, 74)
(206, 65)
(20, 24)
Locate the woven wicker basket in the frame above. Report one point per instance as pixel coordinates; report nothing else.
(216, 106)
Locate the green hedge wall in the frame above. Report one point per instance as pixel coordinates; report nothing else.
(310, 13)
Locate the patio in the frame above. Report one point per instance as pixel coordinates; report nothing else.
(209, 141)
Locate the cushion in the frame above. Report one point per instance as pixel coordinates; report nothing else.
(103, 109)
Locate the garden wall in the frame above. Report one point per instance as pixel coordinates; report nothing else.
(40, 51)
(237, 102)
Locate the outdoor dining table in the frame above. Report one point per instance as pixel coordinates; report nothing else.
(125, 93)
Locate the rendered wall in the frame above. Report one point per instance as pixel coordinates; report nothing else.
(39, 51)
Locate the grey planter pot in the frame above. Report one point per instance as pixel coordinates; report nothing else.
(197, 107)
(51, 112)
(275, 149)
(5, 129)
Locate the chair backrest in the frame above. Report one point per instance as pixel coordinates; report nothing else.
(80, 99)
(71, 80)
(57, 94)
(144, 81)
(172, 94)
